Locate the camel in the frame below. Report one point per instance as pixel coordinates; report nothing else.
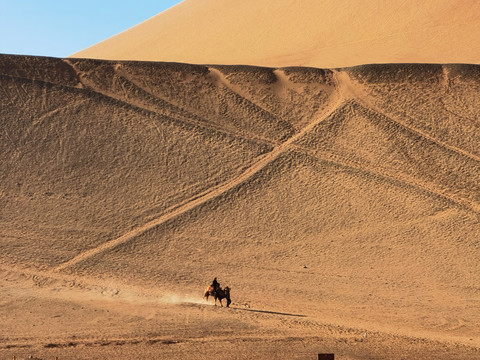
(219, 294)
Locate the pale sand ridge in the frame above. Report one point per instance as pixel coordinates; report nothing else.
(326, 34)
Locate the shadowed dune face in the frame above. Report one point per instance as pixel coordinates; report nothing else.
(106, 147)
(327, 33)
(349, 195)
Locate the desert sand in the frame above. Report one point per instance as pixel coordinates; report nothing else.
(324, 34)
(320, 158)
(340, 205)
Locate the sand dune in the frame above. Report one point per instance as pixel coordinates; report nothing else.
(333, 202)
(325, 34)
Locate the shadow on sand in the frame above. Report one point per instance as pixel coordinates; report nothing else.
(268, 312)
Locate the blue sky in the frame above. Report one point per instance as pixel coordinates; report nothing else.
(62, 27)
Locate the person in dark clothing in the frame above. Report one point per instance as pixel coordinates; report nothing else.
(215, 284)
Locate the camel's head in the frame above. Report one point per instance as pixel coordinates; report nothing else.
(227, 290)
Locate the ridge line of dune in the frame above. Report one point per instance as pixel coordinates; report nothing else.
(215, 192)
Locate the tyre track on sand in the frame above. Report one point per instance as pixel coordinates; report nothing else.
(209, 195)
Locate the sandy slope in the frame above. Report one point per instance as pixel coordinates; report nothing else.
(333, 202)
(328, 33)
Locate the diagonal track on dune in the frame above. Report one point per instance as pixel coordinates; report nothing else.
(362, 97)
(398, 178)
(358, 93)
(193, 116)
(369, 105)
(38, 121)
(461, 201)
(207, 195)
(89, 86)
(191, 122)
(243, 95)
(203, 197)
(183, 112)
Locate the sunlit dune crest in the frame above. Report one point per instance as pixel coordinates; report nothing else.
(326, 34)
